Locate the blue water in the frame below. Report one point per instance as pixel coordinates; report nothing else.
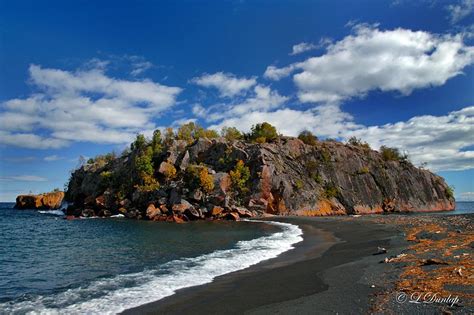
(107, 265)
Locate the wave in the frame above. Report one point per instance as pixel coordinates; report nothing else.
(113, 295)
(52, 212)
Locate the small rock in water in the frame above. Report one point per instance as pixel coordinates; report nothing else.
(380, 250)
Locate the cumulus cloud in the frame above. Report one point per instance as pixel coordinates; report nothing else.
(262, 98)
(398, 60)
(85, 105)
(443, 142)
(227, 84)
(459, 11)
(324, 120)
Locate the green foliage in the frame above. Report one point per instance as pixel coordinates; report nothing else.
(263, 132)
(450, 192)
(143, 162)
(56, 189)
(392, 154)
(325, 156)
(169, 136)
(139, 144)
(210, 134)
(331, 191)
(156, 143)
(299, 184)
(363, 170)
(192, 131)
(307, 137)
(358, 142)
(239, 177)
(231, 133)
(317, 178)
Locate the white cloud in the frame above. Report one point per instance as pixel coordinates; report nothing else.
(24, 178)
(324, 120)
(262, 98)
(51, 158)
(85, 105)
(397, 60)
(459, 11)
(227, 84)
(274, 73)
(302, 47)
(444, 142)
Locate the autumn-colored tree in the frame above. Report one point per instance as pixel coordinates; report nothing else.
(239, 177)
(206, 180)
(169, 171)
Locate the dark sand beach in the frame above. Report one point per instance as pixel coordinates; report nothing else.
(332, 270)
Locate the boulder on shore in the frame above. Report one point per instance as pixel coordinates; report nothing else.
(47, 201)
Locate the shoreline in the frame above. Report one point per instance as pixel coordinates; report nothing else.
(330, 263)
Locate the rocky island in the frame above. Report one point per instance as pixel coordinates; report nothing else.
(195, 173)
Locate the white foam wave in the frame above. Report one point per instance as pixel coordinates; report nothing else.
(52, 212)
(110, 296)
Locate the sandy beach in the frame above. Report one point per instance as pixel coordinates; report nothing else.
(334, 270)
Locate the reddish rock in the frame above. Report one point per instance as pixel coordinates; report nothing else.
(182, 206)
(100, 202)
(216, 211)
(175, 218)
(164, 209)
(243, 213)
(233, 216)
(152, 211)
(122, 210)
(47, 201)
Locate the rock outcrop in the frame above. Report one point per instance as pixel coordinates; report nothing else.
(285, 177)
(47, 201)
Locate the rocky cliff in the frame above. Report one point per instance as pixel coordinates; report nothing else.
(47, 201)
(217, 178)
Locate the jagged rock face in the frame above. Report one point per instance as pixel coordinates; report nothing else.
(288, 177)
(46, 201)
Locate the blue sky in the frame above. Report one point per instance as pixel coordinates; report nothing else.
(83, 77)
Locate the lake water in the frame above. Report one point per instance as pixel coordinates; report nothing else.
(48, 264)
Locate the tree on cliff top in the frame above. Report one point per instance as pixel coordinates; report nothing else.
(307, 137)
(192, 131)
(263, 132)
(231, 133)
